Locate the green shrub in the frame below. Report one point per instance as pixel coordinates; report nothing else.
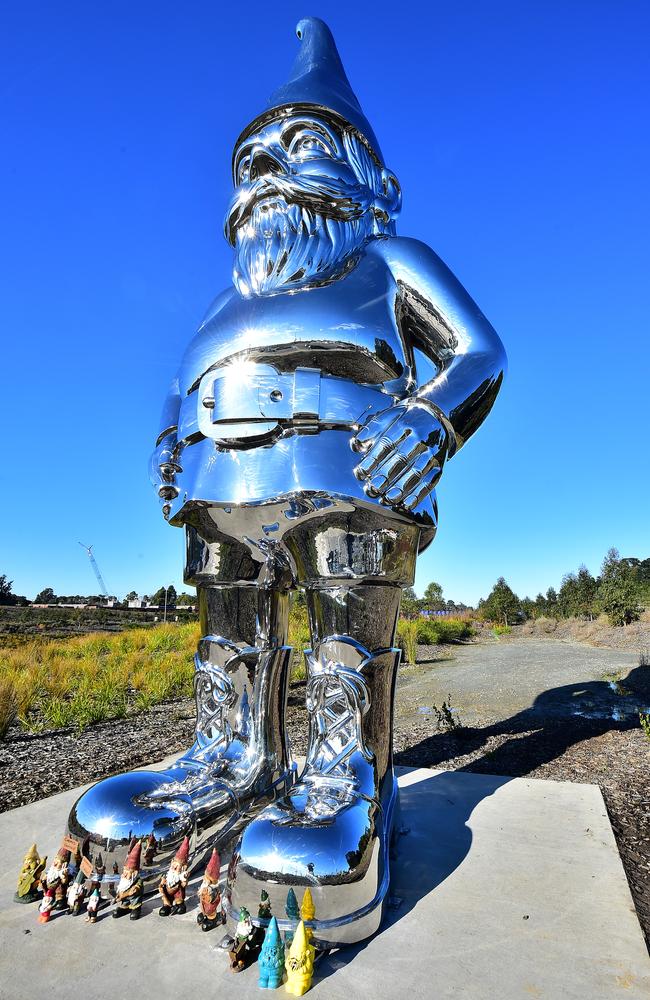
(498, 630)
(407, 639)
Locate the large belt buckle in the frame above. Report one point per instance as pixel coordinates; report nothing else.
(239, 402)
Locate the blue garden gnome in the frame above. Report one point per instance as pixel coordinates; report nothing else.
(271, 960)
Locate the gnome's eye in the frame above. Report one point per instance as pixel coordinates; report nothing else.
(243, 170)
(304, 146)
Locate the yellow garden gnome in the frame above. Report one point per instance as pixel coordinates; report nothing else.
(30, 876)
(308, 913)
(300, 963)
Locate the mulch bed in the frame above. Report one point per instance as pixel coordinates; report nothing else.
(616, 756)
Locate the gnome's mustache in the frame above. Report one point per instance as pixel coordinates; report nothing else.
(326, 196)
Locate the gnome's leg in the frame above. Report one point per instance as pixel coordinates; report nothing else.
(331, 832)
(239, 761)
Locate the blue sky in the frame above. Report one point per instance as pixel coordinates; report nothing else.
(519, 134)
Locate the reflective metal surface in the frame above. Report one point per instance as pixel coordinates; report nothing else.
(239, 760)
(300, 446)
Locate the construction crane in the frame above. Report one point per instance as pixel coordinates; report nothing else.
(93, 563)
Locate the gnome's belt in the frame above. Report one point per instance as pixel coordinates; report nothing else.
(257, 401)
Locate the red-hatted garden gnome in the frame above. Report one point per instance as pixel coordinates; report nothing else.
(173, 885)
(210, 909)
(130, 890)
(56, 878)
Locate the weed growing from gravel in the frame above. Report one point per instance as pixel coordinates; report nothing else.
(644, 719)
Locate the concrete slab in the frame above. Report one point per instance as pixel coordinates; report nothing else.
(504, 888)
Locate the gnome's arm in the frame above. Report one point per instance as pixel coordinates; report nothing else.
(437, 315)
(405, 447)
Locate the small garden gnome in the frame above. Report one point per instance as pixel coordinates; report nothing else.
(30, 877)
(56, 878)
(264, 909)
(46, 907)
(308, 912)
(76, 894)
(292, 912)
(247, 943)
(210, 910)
(92, 906)
(300, 963)
(173, 885)
(150, 848)
(271, 960)
(128, 898)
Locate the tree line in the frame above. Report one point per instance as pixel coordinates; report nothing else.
(620, 591)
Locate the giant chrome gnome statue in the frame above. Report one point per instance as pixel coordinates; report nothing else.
(300, 446)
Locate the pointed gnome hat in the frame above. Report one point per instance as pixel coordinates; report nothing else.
(299, 943)
(183, 852)
(272, 937)
(81, 878)
(214, 866)
(32, 854)
(317, 80)
(133, 859)
(64, 854)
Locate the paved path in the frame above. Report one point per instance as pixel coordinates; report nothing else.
(493, 681)
(504, 889)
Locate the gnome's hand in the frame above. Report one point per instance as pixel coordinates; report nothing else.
(404, 449)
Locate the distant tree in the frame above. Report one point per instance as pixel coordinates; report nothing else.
(159, 597)
(551, 602)
(618, 593)
(566, 598)
(46, 596)
(410, 606)
(131, 596)
(432, 599)
(540, 606)
(528, 607)
(502, 604)
(7, 596)
(184, 600)
(586, 590)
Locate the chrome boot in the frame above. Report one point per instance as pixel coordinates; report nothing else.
(239, 762)
(331, 832)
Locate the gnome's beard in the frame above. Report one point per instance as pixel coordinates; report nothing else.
(54, 874)
(284, 240)
(126, 882)
(173, 878)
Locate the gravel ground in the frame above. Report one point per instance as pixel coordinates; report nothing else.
(599, 744)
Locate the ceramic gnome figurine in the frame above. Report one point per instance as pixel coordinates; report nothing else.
(300, 963)
(293, 913)
(247, 943)
(92, 906)
(210, 909)
(173, 885)
(56, 878)
(128, 898)
(46, 907)
(150, 848)
(264, 909)
(29, 879)
(308, 912)
(271, 960)
(76, 894)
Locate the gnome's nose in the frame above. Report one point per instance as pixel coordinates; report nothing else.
(263, 163)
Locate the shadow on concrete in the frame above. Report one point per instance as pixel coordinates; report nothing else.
(436, 810)
(435, 840)
(557, 719)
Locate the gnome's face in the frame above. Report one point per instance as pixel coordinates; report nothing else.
(307, 197)
(57, 870)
